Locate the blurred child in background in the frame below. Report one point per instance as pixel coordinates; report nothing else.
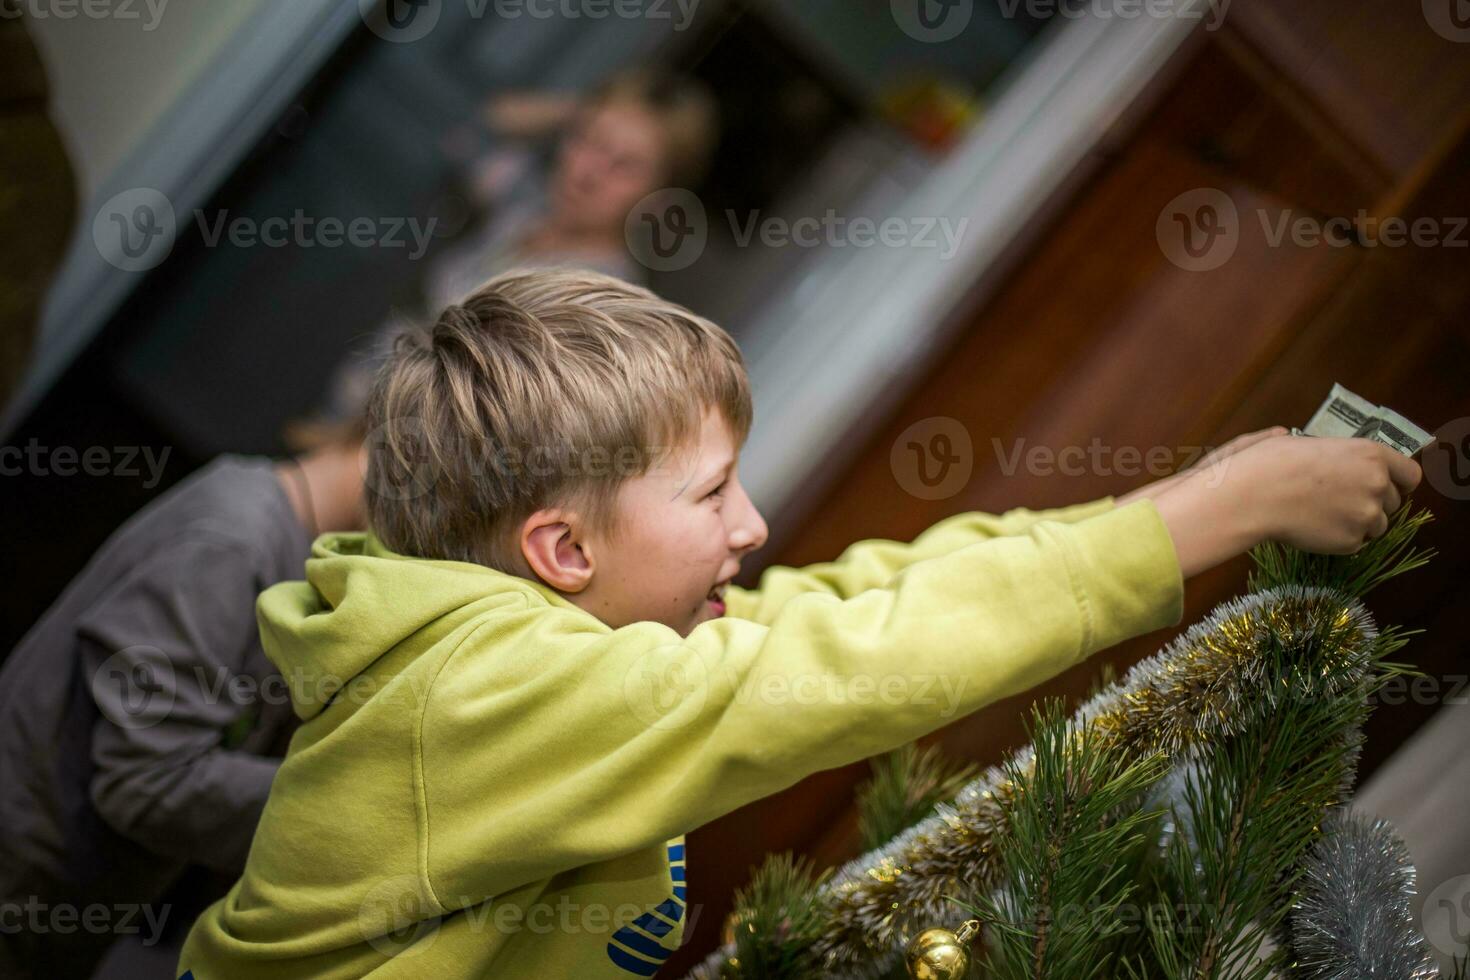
(639, 132)
(140, 721)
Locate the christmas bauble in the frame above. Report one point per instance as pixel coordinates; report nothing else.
(938, 954)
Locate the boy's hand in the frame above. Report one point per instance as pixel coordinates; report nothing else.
(1328, 495)
(1323, 495)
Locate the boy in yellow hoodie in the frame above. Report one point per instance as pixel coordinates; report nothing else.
(534, 676)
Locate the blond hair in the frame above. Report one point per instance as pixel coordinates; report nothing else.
(545, 387)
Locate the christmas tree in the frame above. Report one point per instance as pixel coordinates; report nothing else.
(1186, 823)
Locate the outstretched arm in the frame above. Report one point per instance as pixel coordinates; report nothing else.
(873, 564)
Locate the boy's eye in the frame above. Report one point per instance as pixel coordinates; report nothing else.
(717, 491)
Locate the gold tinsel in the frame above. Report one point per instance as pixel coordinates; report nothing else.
(1208, 684)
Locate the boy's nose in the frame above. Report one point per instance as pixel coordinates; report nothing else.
(749, 534)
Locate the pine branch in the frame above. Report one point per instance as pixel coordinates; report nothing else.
(1073, 837)
(1248, 812)
(777, 916)
(906, 786)
(1381, 559)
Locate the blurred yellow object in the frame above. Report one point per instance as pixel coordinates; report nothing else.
(934, 112)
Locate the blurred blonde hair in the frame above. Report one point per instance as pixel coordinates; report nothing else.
(545, 387)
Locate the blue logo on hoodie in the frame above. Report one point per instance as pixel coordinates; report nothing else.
(640, 938)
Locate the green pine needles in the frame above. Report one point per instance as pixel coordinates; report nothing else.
(1163, 832)
(776, 917)
(1074, 845)
(1385, 557)
(907, 785)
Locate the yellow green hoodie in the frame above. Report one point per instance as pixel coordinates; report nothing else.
(490, 782)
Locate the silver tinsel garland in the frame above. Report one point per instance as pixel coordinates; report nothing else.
(1204, 686)
(1354, 920)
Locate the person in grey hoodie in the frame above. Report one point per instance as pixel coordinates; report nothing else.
(140, 721)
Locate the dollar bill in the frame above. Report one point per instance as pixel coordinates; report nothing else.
(1347, 415)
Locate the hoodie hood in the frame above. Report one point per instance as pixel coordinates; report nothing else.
(361, 600)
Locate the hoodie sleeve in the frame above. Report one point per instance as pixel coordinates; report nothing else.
(547, 744)
(872, 564)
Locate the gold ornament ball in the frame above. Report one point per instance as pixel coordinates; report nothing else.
(938, 954)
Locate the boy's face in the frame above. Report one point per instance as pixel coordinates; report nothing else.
(684, 527)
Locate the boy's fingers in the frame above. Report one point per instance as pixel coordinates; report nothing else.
(1251, 438)
(1241, 442)
(1404, 472)
(1391, 499)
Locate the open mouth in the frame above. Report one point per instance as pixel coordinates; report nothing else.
(716, 598)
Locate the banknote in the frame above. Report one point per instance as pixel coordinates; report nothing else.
(1348, 415)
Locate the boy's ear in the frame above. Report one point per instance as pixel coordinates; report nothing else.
(550, 543)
